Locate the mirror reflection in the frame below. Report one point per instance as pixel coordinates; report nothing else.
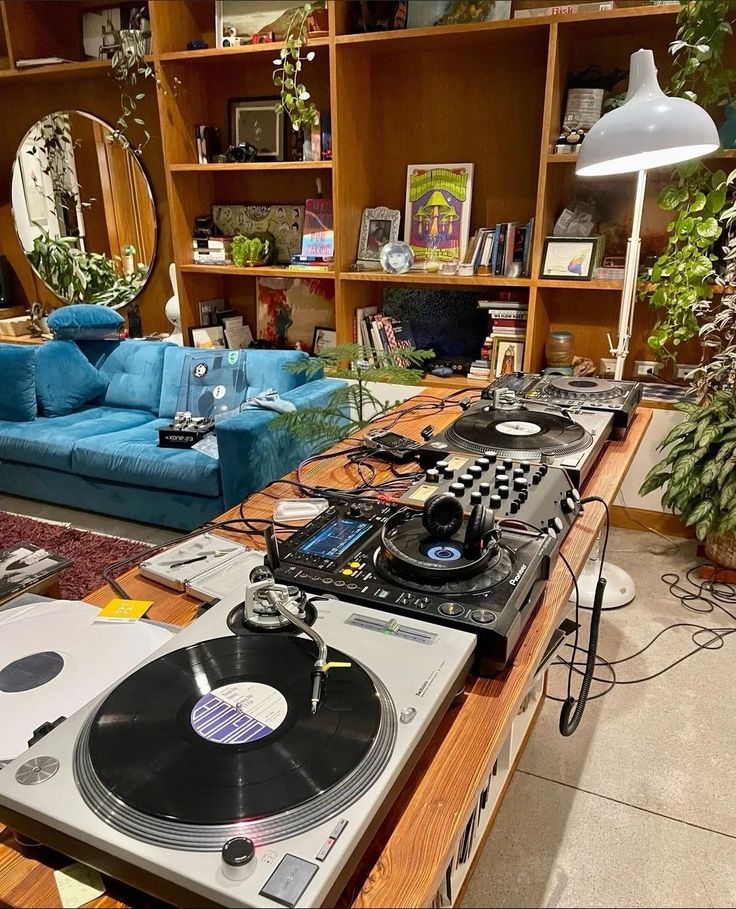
(83, 210)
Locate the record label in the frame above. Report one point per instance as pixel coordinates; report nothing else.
(518, 428)
(238, 713)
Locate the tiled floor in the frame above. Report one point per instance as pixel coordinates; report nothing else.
(638, 807)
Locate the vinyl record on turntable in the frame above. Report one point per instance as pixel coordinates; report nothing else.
(522, 432)
(222, 732)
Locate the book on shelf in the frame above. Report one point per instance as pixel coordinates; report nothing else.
(608, 274)
(319, 236)
(504, 249)
(313, 143)
(381, 333)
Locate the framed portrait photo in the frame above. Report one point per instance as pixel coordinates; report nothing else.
(570, 258)
(507, 356)
(378, 227)
(323, 339)
(255, 120)
(208, 337)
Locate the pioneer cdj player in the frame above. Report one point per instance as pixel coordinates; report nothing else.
(465, 572)
(586, 392)
(525, 431)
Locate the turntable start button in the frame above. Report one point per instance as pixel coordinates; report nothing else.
(451, 609)
(483, 616)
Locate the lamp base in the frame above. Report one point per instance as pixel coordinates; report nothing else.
(620, 587)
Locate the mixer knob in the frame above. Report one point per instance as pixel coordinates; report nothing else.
(441, 466)
(475, 472)
(491, 456)
(466, 479)
(502, 479)
(567, 505)
(457, 489)
(508, 463)
(476, 498)
(523, 496)
(503, 491)
(237, 855)
(525, 466)
(575, 494)
(483, 463)
(518, 472)
(514, 507)
(543, 468)
(485, 488)
(536, 478)
(556, 525)
(432, 476)
(448, 473)
(520, 483)
(495, 501)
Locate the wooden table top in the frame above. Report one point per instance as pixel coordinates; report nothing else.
(406, 861)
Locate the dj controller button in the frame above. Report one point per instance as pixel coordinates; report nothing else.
(339, 583)
(452, 609)
(422, 602)
(347, 571)
(483, 616)
(355, 565)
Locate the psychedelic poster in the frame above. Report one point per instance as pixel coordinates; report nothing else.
(437, 219)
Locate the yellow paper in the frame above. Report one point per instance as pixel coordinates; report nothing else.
(118, 610)
(78, 884)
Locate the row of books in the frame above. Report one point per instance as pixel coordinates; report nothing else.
(313, 144)
(505, 249)
(380, 332)
(506, 318)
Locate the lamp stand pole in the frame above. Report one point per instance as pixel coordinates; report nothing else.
(631, 274)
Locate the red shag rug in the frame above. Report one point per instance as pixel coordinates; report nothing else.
(90, 552)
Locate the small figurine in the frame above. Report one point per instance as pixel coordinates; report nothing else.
(197, 44)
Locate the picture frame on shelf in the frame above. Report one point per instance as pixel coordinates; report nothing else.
(255, 121)
(570, 258)
(207, 337)
(378, 226)
(507, 355)
(207, 310)
(437, 210)
(239, 22)
(323, 339)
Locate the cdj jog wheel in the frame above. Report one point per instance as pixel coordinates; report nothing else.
(219, 737)
(581, 388)
(524, 433)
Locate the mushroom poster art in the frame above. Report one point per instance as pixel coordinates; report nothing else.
(437, 219)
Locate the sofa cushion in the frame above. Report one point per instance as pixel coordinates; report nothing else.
(267, 369)
(18, 385)
(85, 320)
(133, 456)
(48, 441)
(65, 379)
(134, 370)
(220, 365)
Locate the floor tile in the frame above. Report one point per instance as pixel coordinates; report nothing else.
(556, 846)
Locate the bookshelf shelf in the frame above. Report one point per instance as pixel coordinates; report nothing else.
(246, 52)
(252, 166)
(476, 280)
(267, 271)
(579, 285)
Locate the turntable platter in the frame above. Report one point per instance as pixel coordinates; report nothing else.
(523, 433)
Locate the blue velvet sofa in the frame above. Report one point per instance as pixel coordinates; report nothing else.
(104, 456)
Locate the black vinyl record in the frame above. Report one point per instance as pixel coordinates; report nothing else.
(515, 430)
(222, 731)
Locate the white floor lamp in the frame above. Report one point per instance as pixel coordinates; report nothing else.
(649, 130)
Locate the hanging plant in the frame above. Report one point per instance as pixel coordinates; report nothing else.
(295, 99)
(130, 68)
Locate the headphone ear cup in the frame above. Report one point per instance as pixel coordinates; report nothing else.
(480, 522)
(442, 515)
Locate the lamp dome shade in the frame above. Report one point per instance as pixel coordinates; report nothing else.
(650, 129)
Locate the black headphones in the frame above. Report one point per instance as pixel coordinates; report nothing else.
(442, 517)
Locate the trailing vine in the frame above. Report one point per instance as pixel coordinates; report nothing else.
(684, 275)
(129, 65)
(295, 99)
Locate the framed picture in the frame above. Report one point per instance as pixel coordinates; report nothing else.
(570, 258)
(378, 227)
(323, 339)
(207, 337)
(255, 120)
(437, 216)
(507, 356)
(208, 309)
(289, 308)
(237, 21)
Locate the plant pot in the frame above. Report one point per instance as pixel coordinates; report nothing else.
(721, 548)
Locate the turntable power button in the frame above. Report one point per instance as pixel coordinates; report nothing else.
(237, 855)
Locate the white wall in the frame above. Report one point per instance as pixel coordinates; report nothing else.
(646, 457)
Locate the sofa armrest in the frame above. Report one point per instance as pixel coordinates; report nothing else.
(253, 453)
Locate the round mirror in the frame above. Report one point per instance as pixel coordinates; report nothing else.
(83, 210)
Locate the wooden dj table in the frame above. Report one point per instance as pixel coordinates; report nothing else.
(416, 849)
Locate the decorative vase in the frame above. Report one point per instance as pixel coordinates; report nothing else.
(721, 548)
(559, 349)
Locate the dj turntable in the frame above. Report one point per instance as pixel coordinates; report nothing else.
(526, 431)
(586, 392)
(225, 769)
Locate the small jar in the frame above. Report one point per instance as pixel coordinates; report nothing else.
(560, 348)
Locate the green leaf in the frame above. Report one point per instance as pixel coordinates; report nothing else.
(653, 481)
(669, 198)
(701, 511)
(708, 229)
(698, 202)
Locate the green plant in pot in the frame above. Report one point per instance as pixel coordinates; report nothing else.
(254, 249)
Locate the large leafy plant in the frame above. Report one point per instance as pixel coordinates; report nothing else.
(353, 405)
(699, 471)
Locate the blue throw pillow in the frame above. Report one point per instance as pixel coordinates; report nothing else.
(65, 379)
(85, 320)
(18, 385)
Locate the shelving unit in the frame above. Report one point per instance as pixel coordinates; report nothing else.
(491, 93)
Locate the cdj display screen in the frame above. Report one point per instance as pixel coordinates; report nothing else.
(335, 538)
